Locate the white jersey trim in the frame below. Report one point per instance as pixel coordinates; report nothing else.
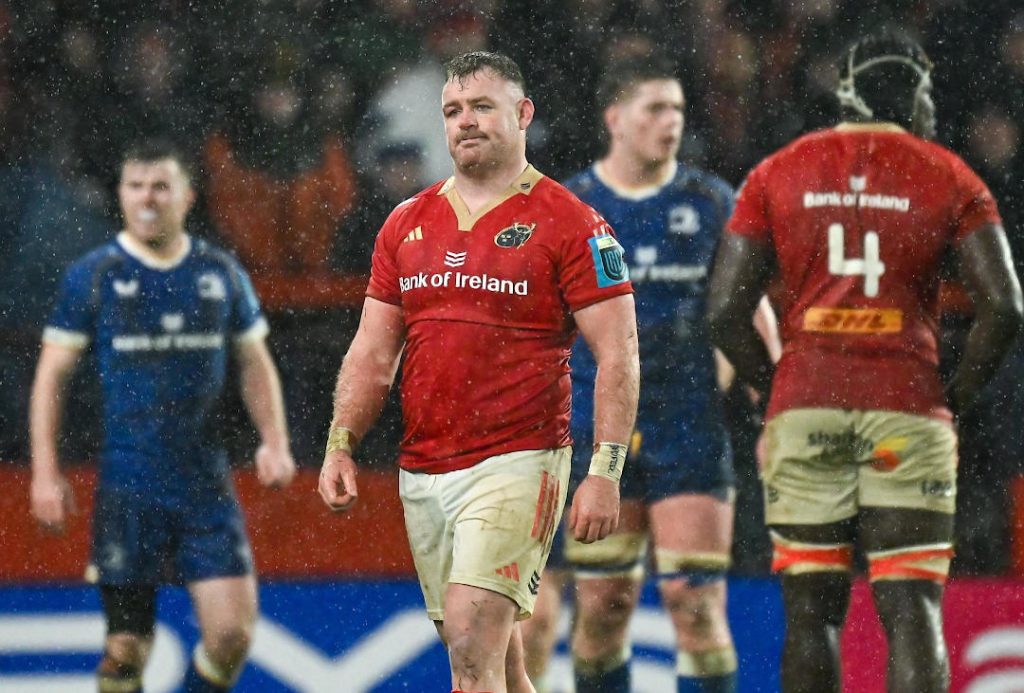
(145, 256)
(65, 338)
(639, 193)
(259, 330)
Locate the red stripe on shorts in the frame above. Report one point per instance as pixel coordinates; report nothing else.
(538, 517)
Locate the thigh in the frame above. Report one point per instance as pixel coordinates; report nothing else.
(504, 512)
(809, 467)
(619, 555)
(224, 604)
(680, 452)
(692, 523)
(131, 539)
(429, 530)
(211, 539)
(912, 464)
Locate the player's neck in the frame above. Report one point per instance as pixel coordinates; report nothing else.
(627, 171)
(160, 256)
(478, 187)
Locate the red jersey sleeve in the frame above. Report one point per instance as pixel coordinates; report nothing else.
(593, 267)
(750, 215)
(974, 205)
(384, 271)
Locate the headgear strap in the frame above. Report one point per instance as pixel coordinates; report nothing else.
(847, 91)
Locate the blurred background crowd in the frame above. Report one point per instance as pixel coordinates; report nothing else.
(308, 120)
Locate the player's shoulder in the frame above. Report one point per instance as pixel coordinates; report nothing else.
(206, 254)
(799, 148)
(558, 199)
(414, 207)
(98, 260)
(583, 182)
(209, 251)
(941, 156)
(691, 178)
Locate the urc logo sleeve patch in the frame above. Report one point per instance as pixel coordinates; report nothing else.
(609, 261)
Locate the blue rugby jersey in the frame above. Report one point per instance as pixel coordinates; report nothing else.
(669, 233)
(161, 336)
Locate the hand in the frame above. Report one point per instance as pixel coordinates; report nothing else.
(337, 484)
(595, 509)
(52, 501)
(275, 467)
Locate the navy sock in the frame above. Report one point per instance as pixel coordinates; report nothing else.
(194, 683)
(724, 683)
(615, 681)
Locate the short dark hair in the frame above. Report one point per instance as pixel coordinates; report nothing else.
(152, 149)
(462, 66)
(623, 75)
(889, 86)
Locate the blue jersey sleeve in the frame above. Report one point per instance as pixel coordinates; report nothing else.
(246, 316)
(73, 320)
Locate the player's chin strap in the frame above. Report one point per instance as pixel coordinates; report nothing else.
(847, 91)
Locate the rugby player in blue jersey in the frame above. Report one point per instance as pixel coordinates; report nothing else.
(679, 487)
(161, 311)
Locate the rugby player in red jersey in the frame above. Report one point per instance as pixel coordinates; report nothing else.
(479, 284)
(859, 443)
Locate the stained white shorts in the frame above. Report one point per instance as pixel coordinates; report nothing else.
(489, 526)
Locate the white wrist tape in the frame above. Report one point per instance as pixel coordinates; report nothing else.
(608, 460)
(339, 438)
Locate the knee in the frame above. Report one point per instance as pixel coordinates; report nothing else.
(696, 611)
(605, 618)
(228, 645)
(467, 656)
(814, 600)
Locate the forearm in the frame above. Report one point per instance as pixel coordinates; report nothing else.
(261, 393)
(46, 406)
(361, 391)
(744, 348)
(990, 338)
(616, 391)
(45, 412)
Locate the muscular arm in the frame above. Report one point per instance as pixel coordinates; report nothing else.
(261, 392)
(985, 266)
(364, 380)
(49, 494)
(609, 329)
(741, 273)
(767, 326)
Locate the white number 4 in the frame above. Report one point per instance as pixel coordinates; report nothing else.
(871, 265)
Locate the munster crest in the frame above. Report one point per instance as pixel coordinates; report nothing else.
(514, 236)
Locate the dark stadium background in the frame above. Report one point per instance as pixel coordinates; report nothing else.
(299, 96)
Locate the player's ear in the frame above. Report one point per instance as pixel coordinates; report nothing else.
(611, 118)
(190, 197)
(526, 111)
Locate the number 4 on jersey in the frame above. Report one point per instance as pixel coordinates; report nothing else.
(871, 265)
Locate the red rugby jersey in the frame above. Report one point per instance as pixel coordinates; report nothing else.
(488, 300)
(860, 217)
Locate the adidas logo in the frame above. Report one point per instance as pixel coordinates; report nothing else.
(455, 259)
(534, 583)
(415, 235)
(510, 571)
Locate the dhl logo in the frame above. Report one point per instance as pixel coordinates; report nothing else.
(853, 320)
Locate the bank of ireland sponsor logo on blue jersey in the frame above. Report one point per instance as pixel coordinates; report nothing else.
(609, 260)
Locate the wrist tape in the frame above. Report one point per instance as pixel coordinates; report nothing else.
(339, 438)
(608, 460)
